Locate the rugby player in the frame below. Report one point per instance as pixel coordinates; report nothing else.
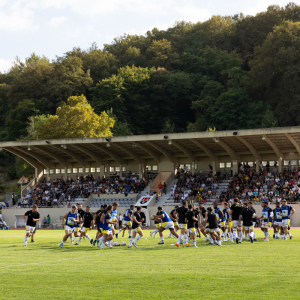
(157, 223)
(277, 221)
(212, 221)
(114, 215)
(250, 205)
(106, 228)
(166, 223)
(30, 218)
(221, 219)
(267, 214)
(173, 216)
(127, 221)
(247, 215)
(190, 220)
(203, 214)
(97, 222)
(227, 222)
(71, 218)
(182, 211)
(286, 212)
(234, 213)
(137, 232)
(197, 216)
(88, 222)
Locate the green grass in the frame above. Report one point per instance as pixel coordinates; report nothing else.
(262, 270)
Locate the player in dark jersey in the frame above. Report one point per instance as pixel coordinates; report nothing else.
(197, 216)
(173, 216)
(247, 215)
(157, 223)
(227, 222)
(137, 232)
(30, 218)
(106, 222)
(277, 221)
(190, 220)
(211, 219)
(181, 212)
(250, 205)
(203, 213)
(88, 222)
(99, 225)
(234, 212)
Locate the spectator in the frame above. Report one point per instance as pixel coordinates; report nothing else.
(48, 219)
(44, 222)
(120, 219)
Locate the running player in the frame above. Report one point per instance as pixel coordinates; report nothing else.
(286, 212)
(114, 215)
(267, 214)
(88, 222)
(127, 221)
(227, 222)
(71, 218)
(203, 214)
(197, 216)
(277, 221)
(137, 232)
(221, 219)
(77, 229)
(182, 211)
(191, 219)
(106, 228)
(211, 219)
(97, 222)
(250, 205)
(234, 212)
(157, 223)
(247, 215)
(30, 218)
(166, 223)
(173, 216)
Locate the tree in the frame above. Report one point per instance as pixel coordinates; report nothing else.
(76, 119)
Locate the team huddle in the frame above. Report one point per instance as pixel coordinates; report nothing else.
(236, 222)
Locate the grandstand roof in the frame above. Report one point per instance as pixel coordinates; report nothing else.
(139, 147)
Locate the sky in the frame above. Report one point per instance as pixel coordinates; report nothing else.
(53, 27)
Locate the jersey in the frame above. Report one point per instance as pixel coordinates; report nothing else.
(212, 220)
(114, 215)
(166, 217)
(30, 216)
(266, 212)
(203, 211)
(254, 212)
(107, 217)
(182, 211)
(286, 211)
(138, 218)
(219, 214)
(247, 214)
(69, 220)
(196, 213)
(81, 213)
(172, 214)
(100, 223)
(128, 211)
(236, 210)
(189, 216)
(87, 220)
(98, 217)
(277, 216)
(226, 214)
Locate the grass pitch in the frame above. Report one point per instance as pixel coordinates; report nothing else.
(261, 270)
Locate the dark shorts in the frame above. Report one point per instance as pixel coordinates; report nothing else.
(196, 225)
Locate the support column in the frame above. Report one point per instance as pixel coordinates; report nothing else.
(48, 174)
(121, 171)
(257, 161)
(140, 171)
(66, 174)
(280, 165)
(235, 166)
(216, 166)
(193, 168)
(102, 169)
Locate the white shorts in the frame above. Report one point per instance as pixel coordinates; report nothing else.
(235, 223)
(192, 230)
(167, 225)
(84, 229)
(278, 223)
(70, 229)
(30, 228)
(265, 225)
(214, 229)
(182, 226)
(248, 227)
(137, 229)
(106, 231)
(285, 223)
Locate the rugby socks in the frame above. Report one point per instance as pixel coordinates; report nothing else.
(179, 239)
(162, 238)
(136, 239)
(186, 237)
(129, 231)
(290, 234)
(131, 240)
(219, 242)
(25, 241)
(88, 237)
(234, 234)
(210, 238)
(240, 236)
(277, 235)
(231, 236)
(170, 235)
(120, 230)
(71, 239)
(79, 240)
(254, 236)
(194, 242)
(267, 235)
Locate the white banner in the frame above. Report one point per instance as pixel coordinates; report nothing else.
(146, 201)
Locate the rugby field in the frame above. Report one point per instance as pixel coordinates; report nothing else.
(262, 270)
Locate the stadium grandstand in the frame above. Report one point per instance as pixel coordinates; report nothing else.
(200, 167)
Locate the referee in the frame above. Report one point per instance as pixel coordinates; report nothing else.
(120, 219)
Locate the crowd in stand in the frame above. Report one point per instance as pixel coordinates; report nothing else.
(61, 192)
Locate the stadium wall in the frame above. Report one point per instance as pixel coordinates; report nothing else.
(57, 213)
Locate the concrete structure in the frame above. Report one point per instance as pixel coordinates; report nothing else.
(158, 152)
